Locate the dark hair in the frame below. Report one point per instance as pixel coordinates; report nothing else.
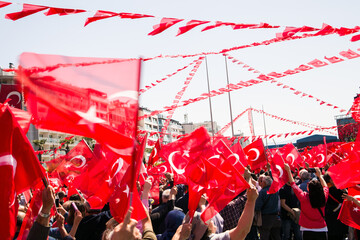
(75, 197)
(80, 206)
(327, 177)
(316, 194)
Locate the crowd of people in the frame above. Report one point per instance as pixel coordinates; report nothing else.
(306, 207)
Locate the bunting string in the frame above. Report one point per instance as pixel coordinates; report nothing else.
(226, 127)
(346, 55)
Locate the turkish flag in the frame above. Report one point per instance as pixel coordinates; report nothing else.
(28, 9)
(19, 169)
(280, 177)
(346, 173)
(4, 4)
(190, 25)
(99, 15)
(240, 157)
(189, 148)
(154, 155)
(92, 97)
(63, 11)
(54, 163)
(22, 117)
(139, 160)
(165, 23)
(256, 156)
(75, 162)
(350, 212)
(126, 194)
(11, 94)
(319, 154)
(291, 156)
(100, 177)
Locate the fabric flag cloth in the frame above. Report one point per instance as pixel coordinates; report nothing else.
(31, 214)
(134, 15)
(350, 212)
(19, 169)
(23, 118)
(278, 173)
(91, 97)
(28, 9)
(355, 109)
(63, 11)
(189, 148)
(165, 23)
(217, 24)
(291, 156)
(4, 4)
(154, 155)
(240, 157)
(256, 156)
(126, 193)
(319, 154)
(190, 25)
(99, 15)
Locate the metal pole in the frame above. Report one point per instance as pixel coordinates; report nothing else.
(252, 121)
(208, 84)
(264, 126)
(227, 80)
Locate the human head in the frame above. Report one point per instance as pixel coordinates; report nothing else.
(316, 194)
(165, 195)
(266, 181)
(328, 180)
(75, 197)
(80, 206)
(172, 221)
(304, 174)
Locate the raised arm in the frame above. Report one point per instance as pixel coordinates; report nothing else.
(318, 174)
(247, 216)
(287, 169)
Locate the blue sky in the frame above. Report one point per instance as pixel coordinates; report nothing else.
(115, 37)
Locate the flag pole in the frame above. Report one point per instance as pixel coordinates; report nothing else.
(208, 84)
(252, 121)
(264, 126)
(230, 109)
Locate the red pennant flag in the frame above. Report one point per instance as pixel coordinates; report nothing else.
(99, 15)
(325, 30)
(241, 26)
(133, 15)
(92, 97)
(278, 173)
(255, 153)
(264, 25)
(355, 38)
(4, 4)
(63, 11)
(28, 9)
(350, 212)
(164, 24)
(190, 25)
(154, 155)
(217, 24)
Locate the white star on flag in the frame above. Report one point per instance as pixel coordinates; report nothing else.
(186, 153)
(89, 118)
(356, 209)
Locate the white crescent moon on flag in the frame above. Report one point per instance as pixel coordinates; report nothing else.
(155, 152)
(82, 158)
(215, 156)
(322, 158)
(16, 94)
(280, 170)
(165, 169)
(257, 152)
(218, 151)
(357, 197)
(120, 162)
(151, 178)
(292, 158)
(236, 157)
(171, 156)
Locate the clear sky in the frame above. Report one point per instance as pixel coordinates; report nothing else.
(336, 84)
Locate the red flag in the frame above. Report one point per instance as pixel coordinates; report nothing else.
(325, 30)
(63, 11)
(319, 155)
(19, 169)
(255, 153)
(31, 214)
(4, 4)
(54, 163)
(190, 25)
(291, 156)
(164, 24)
(239, 156)
(99, 15)
(23, 118)
(133, 15)
(154, 155)
(11, 93)
(241, 26)
(355, 109)
(278, 173)
(179, 153)
(350, 212)
(355, 38)
(92, 97)
(28, 9)
(217, 24)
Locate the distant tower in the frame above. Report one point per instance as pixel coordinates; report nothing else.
(186, 118)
